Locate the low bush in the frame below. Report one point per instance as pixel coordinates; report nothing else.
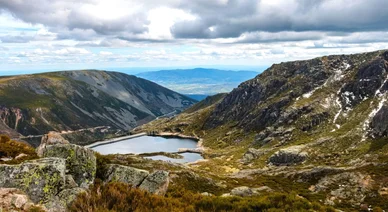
(121, 197)
(10, 149)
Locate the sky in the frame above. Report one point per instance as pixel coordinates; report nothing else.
(108, 34)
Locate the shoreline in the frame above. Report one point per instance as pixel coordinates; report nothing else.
(114, 140)
(179, 135)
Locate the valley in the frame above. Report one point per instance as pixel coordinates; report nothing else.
(306, 132)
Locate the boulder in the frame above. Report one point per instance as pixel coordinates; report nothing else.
(156, 183)
(289, 156)
(244, 191)
(12, 199)
(125, 174)
(251, 155)
(80, 161)
(51, 138)
(40, 179)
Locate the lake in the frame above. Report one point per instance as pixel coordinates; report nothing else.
(149, 144)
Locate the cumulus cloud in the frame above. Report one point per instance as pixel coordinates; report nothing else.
(209, 31)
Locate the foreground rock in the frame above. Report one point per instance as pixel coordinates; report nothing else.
(12, 199)
(80, 161)
(40, 179)
(156, 183)
(289, 156)
(125, 174)
(52, 138)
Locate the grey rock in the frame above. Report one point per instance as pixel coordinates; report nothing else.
(289, 156)
(244, 191)
(125, 174)
(80, 161)
(251, 155)
(52, 138)
(156, 183)
(40, 179)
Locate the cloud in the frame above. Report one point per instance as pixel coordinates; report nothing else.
(234, 18)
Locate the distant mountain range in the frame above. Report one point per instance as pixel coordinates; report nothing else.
(72, 100)
(199, 80)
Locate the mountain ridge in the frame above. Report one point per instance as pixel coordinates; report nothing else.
(321, 122)
(199, 80)
(71, 100)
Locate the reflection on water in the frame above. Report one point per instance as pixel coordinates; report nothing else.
(146, 144)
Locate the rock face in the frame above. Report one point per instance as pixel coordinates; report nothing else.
(12, 199)
(125, 174)
(379, 123)
(350, 186)
(52, 138)
(40, 179)
(80, 161)
(156, 183)
(289, 156)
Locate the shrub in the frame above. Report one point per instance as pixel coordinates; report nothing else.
(121, 197)
(10, 148)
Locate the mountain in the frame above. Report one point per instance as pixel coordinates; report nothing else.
(198, 80)
(75, 100)
(319, 125)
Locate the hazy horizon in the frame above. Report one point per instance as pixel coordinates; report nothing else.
(99, 34)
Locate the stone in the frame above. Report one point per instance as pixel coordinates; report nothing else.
(289, 156)
(80, 161)
(20, 156)
(12, 199)
(244, 191)
(40, 179)
(206, 194)
(67, 196)
(69, 182)
(251, 155)
(125, 174)
(350, 186)
(156, 183)
(51, 138)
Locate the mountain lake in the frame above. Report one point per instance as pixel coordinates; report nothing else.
(149, 144)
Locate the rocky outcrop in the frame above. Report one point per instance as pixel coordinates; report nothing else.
(12, 199)
(40, 179)
(244, 191)
(350, 186)
(156, 183)
(252, 154)
(379, 123)
(80, 161)
(125, 174)
(52, 138)
(289, 156)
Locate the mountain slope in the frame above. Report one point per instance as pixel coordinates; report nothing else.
(198, 80)
(320, 122)
(73, 100)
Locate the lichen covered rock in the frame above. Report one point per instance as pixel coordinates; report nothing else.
(52, 138)
(289, 156)
(156, 183)
(80, 161)
(125, 174)
(40, 179)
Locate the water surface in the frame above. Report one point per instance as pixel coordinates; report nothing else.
(148, 144)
